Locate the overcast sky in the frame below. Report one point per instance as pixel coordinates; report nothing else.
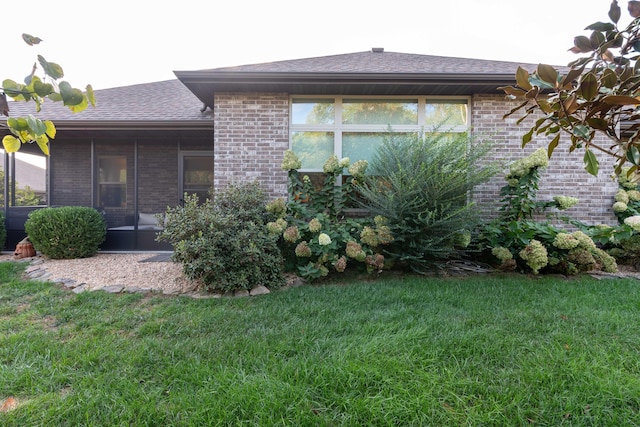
(119, 43)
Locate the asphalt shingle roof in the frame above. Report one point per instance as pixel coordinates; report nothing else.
(382, 63)
(372, 72)
(165, 101)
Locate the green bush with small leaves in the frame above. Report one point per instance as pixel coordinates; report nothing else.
(223, 242)
(66, 232)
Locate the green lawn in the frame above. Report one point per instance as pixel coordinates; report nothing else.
(403, 351)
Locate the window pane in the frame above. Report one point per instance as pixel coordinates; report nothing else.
(364, 145)
(380, 112)
(361, 146)
(311, 112)
(312, 148)
(112, 182)
(446, 113)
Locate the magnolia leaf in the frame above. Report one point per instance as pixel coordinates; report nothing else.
(548, 74)
(633, 155)
(91, 97)
(51, 129)
(591, 162)
(598, 123)
(544, 106)
(11, 143)
(621, 100)
(571, 104)
(522, 79)
(513, 91)
(30, 40)
(526, 138)
(596, 39)
(581, 132)
(43, 143)
(540, 83)
(52, 69)
(572, 75)
(601, 26)
(614, 12)
(609, 78)
(582, 44)
(552, 145)
(588, 86)
(70, 96)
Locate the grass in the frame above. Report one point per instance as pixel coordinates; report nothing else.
(404, 351)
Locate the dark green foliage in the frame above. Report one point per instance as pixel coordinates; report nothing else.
(223, 243)
(66, 232)
(421, 184)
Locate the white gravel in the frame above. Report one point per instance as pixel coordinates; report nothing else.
(109, 269)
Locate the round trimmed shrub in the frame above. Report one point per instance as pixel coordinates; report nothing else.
(66, 232)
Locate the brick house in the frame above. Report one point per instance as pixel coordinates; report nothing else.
(145, 145)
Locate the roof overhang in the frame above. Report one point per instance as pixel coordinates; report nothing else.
(205, 83)
(132, 128)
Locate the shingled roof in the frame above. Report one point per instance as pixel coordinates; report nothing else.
(372, 72)
(164, 104)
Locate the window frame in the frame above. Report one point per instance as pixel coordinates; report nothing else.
(338, 128)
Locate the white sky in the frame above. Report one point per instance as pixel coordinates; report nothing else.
(119, 43)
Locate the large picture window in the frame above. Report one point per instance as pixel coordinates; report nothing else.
(355, 126)
(112, 182)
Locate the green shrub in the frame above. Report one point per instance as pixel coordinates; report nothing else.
(66, 232)
(421, 183)
(314, 233)
(223, 242)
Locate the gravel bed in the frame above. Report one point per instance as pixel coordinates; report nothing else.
(131, 271)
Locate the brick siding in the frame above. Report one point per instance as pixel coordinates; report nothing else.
(565, 175)
(251, 134)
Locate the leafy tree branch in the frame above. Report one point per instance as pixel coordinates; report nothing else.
(37, 89)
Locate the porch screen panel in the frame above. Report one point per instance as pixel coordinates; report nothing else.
(27, 179)
(197, 175)
(112, 182)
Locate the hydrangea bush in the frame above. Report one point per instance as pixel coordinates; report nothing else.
(315, 235)
(517, 240)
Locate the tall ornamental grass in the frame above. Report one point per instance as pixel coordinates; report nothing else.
(421, 183)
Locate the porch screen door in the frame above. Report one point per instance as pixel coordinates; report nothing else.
(196, 173)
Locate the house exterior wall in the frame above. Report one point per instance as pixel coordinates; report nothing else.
(565, 175)
(251, 134)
